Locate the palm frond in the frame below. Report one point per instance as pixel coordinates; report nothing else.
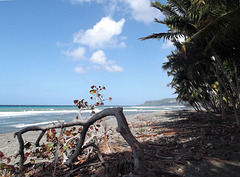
(159, 21)
(182, 24)
(165, 36)
(225, 26)
(180, 6)
(164, 8)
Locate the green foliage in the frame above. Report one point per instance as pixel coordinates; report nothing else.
(209, 55)
(163, 102)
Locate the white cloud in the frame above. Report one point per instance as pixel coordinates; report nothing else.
(169, 44)
(79, 70)
(142, 11)
(82, 1)
(165, 59)
(102, 34)
(99, 58)
(76, 54)
(181, 39)
(113, 68)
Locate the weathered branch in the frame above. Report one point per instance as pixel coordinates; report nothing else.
(123, 129)
(98, 150)
(93, 145)
(58, 146)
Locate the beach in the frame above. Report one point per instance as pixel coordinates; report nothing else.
(10, 146)
(15, 117)
(183, 143)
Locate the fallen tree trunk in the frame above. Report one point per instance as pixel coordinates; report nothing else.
(122, 128)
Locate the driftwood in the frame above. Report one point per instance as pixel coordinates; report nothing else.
(123, 129)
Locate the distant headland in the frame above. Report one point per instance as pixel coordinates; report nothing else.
(163, 102)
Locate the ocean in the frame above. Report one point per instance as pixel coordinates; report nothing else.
(16, 117)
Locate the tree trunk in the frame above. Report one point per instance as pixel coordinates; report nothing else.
(229, 95)
(213, 96)
(237, 83)
(202, 100)
(229, 79)
(222, 102)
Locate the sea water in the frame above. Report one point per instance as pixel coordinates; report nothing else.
(16, 117)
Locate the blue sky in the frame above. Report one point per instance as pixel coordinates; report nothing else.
(52, 51)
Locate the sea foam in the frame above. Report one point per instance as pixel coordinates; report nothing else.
(32, 113)
(34, 124)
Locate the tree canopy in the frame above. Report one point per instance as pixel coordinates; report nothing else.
(205, 67)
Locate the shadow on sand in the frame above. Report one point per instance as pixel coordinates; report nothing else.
(194, 145)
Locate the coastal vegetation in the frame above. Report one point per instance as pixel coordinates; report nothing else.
(73, 142)
(205, 67)
(163, 102)
(205, 70)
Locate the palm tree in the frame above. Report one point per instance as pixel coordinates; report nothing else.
(210, 28)
(177, 20)
(219, 35)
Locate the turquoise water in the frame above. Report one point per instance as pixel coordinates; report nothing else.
(16, 117)
(21, 108)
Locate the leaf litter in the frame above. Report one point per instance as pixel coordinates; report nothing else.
(191, 144)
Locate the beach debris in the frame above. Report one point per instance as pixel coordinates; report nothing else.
(178, 148)
(122, 128)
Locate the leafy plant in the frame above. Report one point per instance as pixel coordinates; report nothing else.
(68, 140)
(5, 168)
(96, 96)
(61, 146)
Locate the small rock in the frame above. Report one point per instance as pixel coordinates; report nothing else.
(209, 144)
(180, 171)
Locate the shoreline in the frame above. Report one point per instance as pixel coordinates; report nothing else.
(15, 121)
(43, 120)
(181, 142)
(10, 146)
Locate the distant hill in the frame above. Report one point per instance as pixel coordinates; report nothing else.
(163, 102)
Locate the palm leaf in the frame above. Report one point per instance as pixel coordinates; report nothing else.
(224, 27)
(165, 9)
(165, 36)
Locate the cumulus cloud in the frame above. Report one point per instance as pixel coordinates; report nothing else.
(79, 70)
(82, 1)
(76, 54)
(102, 34)
(169, 44)
(141, 10)
(99, 58)
(111, 7)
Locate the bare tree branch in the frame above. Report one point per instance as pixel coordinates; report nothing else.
(123, 129)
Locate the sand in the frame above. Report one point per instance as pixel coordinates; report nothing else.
(183, 143)
(10, 146)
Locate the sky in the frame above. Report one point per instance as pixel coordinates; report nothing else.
(53, 51)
